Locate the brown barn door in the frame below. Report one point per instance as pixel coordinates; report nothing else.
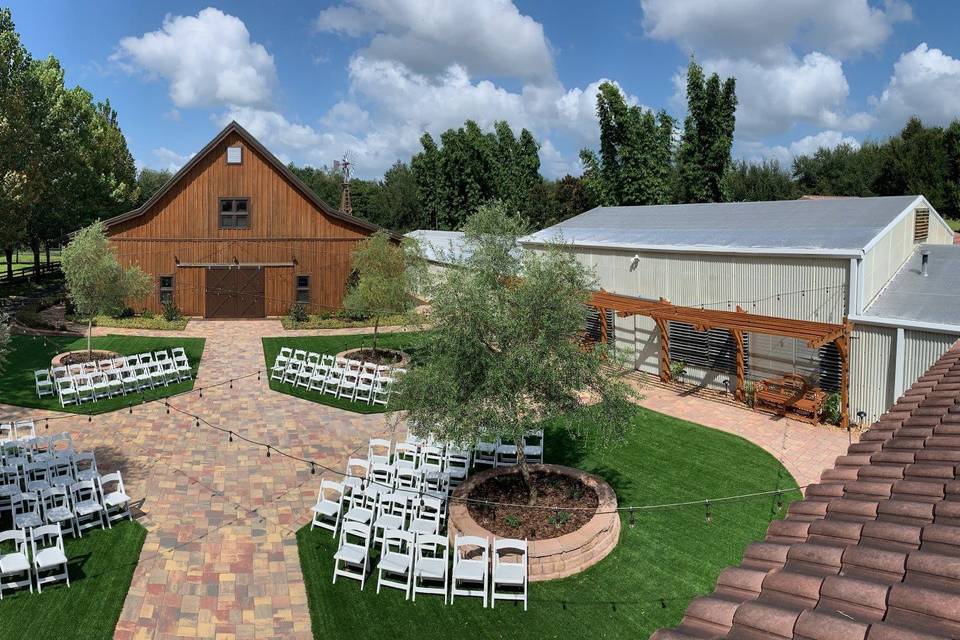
(234, 292)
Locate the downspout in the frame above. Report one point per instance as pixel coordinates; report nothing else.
(899, 360)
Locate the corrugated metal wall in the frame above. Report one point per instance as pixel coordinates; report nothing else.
(921, 350)
(872, 369)
(886, 257)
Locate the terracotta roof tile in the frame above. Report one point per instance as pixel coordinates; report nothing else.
(872, 552)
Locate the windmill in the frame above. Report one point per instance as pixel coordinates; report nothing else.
(342, 167)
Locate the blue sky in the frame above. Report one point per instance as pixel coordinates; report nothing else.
(367, 77)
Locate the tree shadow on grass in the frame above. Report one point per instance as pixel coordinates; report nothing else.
(563, 449)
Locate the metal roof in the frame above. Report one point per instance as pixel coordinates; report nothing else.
(445, 247)
(932, 298)
(839, 226)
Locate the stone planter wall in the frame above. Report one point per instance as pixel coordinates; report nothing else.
(58, 359)
(403, 363)
(555, 557)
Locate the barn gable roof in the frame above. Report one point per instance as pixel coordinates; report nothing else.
(275, 162)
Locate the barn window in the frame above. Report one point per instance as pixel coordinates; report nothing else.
(921, 225)
(303, 289)
(714, 349)
(234, 155)
(234, 213)
(166, 289)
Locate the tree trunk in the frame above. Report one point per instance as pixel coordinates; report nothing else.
(35, 246)
(525, 472)
(46, 247)
(376, 328)
(89, 334)
(9, 253)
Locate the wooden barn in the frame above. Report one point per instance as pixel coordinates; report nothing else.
(235, 234)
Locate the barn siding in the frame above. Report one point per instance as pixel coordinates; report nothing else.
(286, 229)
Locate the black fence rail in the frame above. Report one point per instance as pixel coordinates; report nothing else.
(23, 273)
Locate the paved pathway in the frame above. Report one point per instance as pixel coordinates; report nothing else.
(220, 559)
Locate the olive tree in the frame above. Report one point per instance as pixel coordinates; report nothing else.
(387, 273)
(504, 353)
(96, 283)
(4, 339)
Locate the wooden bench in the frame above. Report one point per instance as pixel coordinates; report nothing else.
(791, 396)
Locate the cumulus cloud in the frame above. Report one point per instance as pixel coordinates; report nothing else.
(755, 151)
(427, 36)
(753, 29)
(207, 59)
(773, 97)
(925, 83)
(169, 160)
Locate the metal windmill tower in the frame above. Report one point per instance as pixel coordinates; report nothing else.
(343, 168)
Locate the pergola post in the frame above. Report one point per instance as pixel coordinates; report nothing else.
(740, 393)
(603, 324)
(843, 348)
(664, 349)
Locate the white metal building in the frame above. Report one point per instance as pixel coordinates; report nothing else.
(809, 259)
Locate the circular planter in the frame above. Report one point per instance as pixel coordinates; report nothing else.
(554, 557)
(100, 355)
(403, 362)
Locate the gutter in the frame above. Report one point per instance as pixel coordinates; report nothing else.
(935, 327)
(666, 248)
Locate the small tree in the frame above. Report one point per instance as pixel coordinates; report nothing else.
(504, 355)
(387, 275)
(96, 283)
(4, 339)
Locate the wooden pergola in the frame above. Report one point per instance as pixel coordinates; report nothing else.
(739, 322)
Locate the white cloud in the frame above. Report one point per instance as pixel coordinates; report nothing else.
(925, 83)
(754, 29)
(554, 164)
(427, 36)
(168, 159)
(208, 59)
(773, 97)
(346, 116)
(755, 151)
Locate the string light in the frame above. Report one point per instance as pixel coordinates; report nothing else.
(47, 424)
(231, 436)
(258, 375)
(231, 383)
(198, 422)
(779, 502)
(201, 392)
(313, 469)
(268, 451)
(167, 405)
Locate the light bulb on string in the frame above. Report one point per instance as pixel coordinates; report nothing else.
(633, 518)
(779, 502)
(231, 383)
(231, 436)
(268, 451)
(313, 469)
(201, 392)
(258, 375)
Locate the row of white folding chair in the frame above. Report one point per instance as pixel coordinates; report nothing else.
(385, 508)
(498, 453)
(397, 475)
(454, 460)
(17, 430)
(54, 470)
(100, 385)
(68, 500)
(36, 449)
(418, 563)
(355, 380)
(46, 561)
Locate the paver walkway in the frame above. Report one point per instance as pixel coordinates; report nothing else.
(220, 559)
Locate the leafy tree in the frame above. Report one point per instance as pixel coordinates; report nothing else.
(508, 325)
(571, 199)
(426, 171)
(841, 171)
(149, 181)
(634, 164)
(387, 276)
(704, 152)
(746, 182)
(323, 181)
(396, 200)
(96, 283)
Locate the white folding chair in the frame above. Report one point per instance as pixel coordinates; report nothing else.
(144, 379)
(115, 382)
(87, 506)
(364, 389)
(509, 571)
(486, 453)
(35, 474)
(60, 443)
(299, 355)
(157, 376)
(431, 458)
(313, 358)
(105, 365)
(46, 543)
(161, 356)
(129, 380)
(363, 505)
(318, 378)
(348, 385)
(26, 510)
(430, 566)
(116, 502)
(279, 368)
(133, 361)
(406, 455)
(101, 388)
(382, 474)
(180, 352)
(379, 450)
(146, 358)
(427, 518)
(184, 371)
(7, 493)
(291, 372)
(15, 565)
(407, 479)
(395, 569)
(356, 475)
(85, 465)
(85, 392)
(170, 373)
(305, 375)
(533, 447)
(284, 356)
(67, 392)
(458, 465)
(506, 454)
(24, 430)
(470, 567)
(60, 470)
(353, 555)
(43, 383)
(392, 515)
(326, 513)
(56, 510)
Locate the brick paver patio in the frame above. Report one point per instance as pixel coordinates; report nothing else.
(220, 559)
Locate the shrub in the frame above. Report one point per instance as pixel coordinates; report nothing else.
(559, 519)
(170, 312)
(298, 313)
(677, 370)
(831, 408)
(512, 521)
(750, 393)
(147, 314)
(127, 312)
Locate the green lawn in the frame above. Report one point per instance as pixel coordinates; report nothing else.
(408, 342)
(101, 567)
(954, 223)
(668, 558)
(28, 353)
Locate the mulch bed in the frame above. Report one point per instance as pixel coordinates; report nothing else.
(81, 357)
(377, 357)
(561, 493)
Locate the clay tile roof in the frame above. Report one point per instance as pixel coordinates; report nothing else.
(872, 552)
